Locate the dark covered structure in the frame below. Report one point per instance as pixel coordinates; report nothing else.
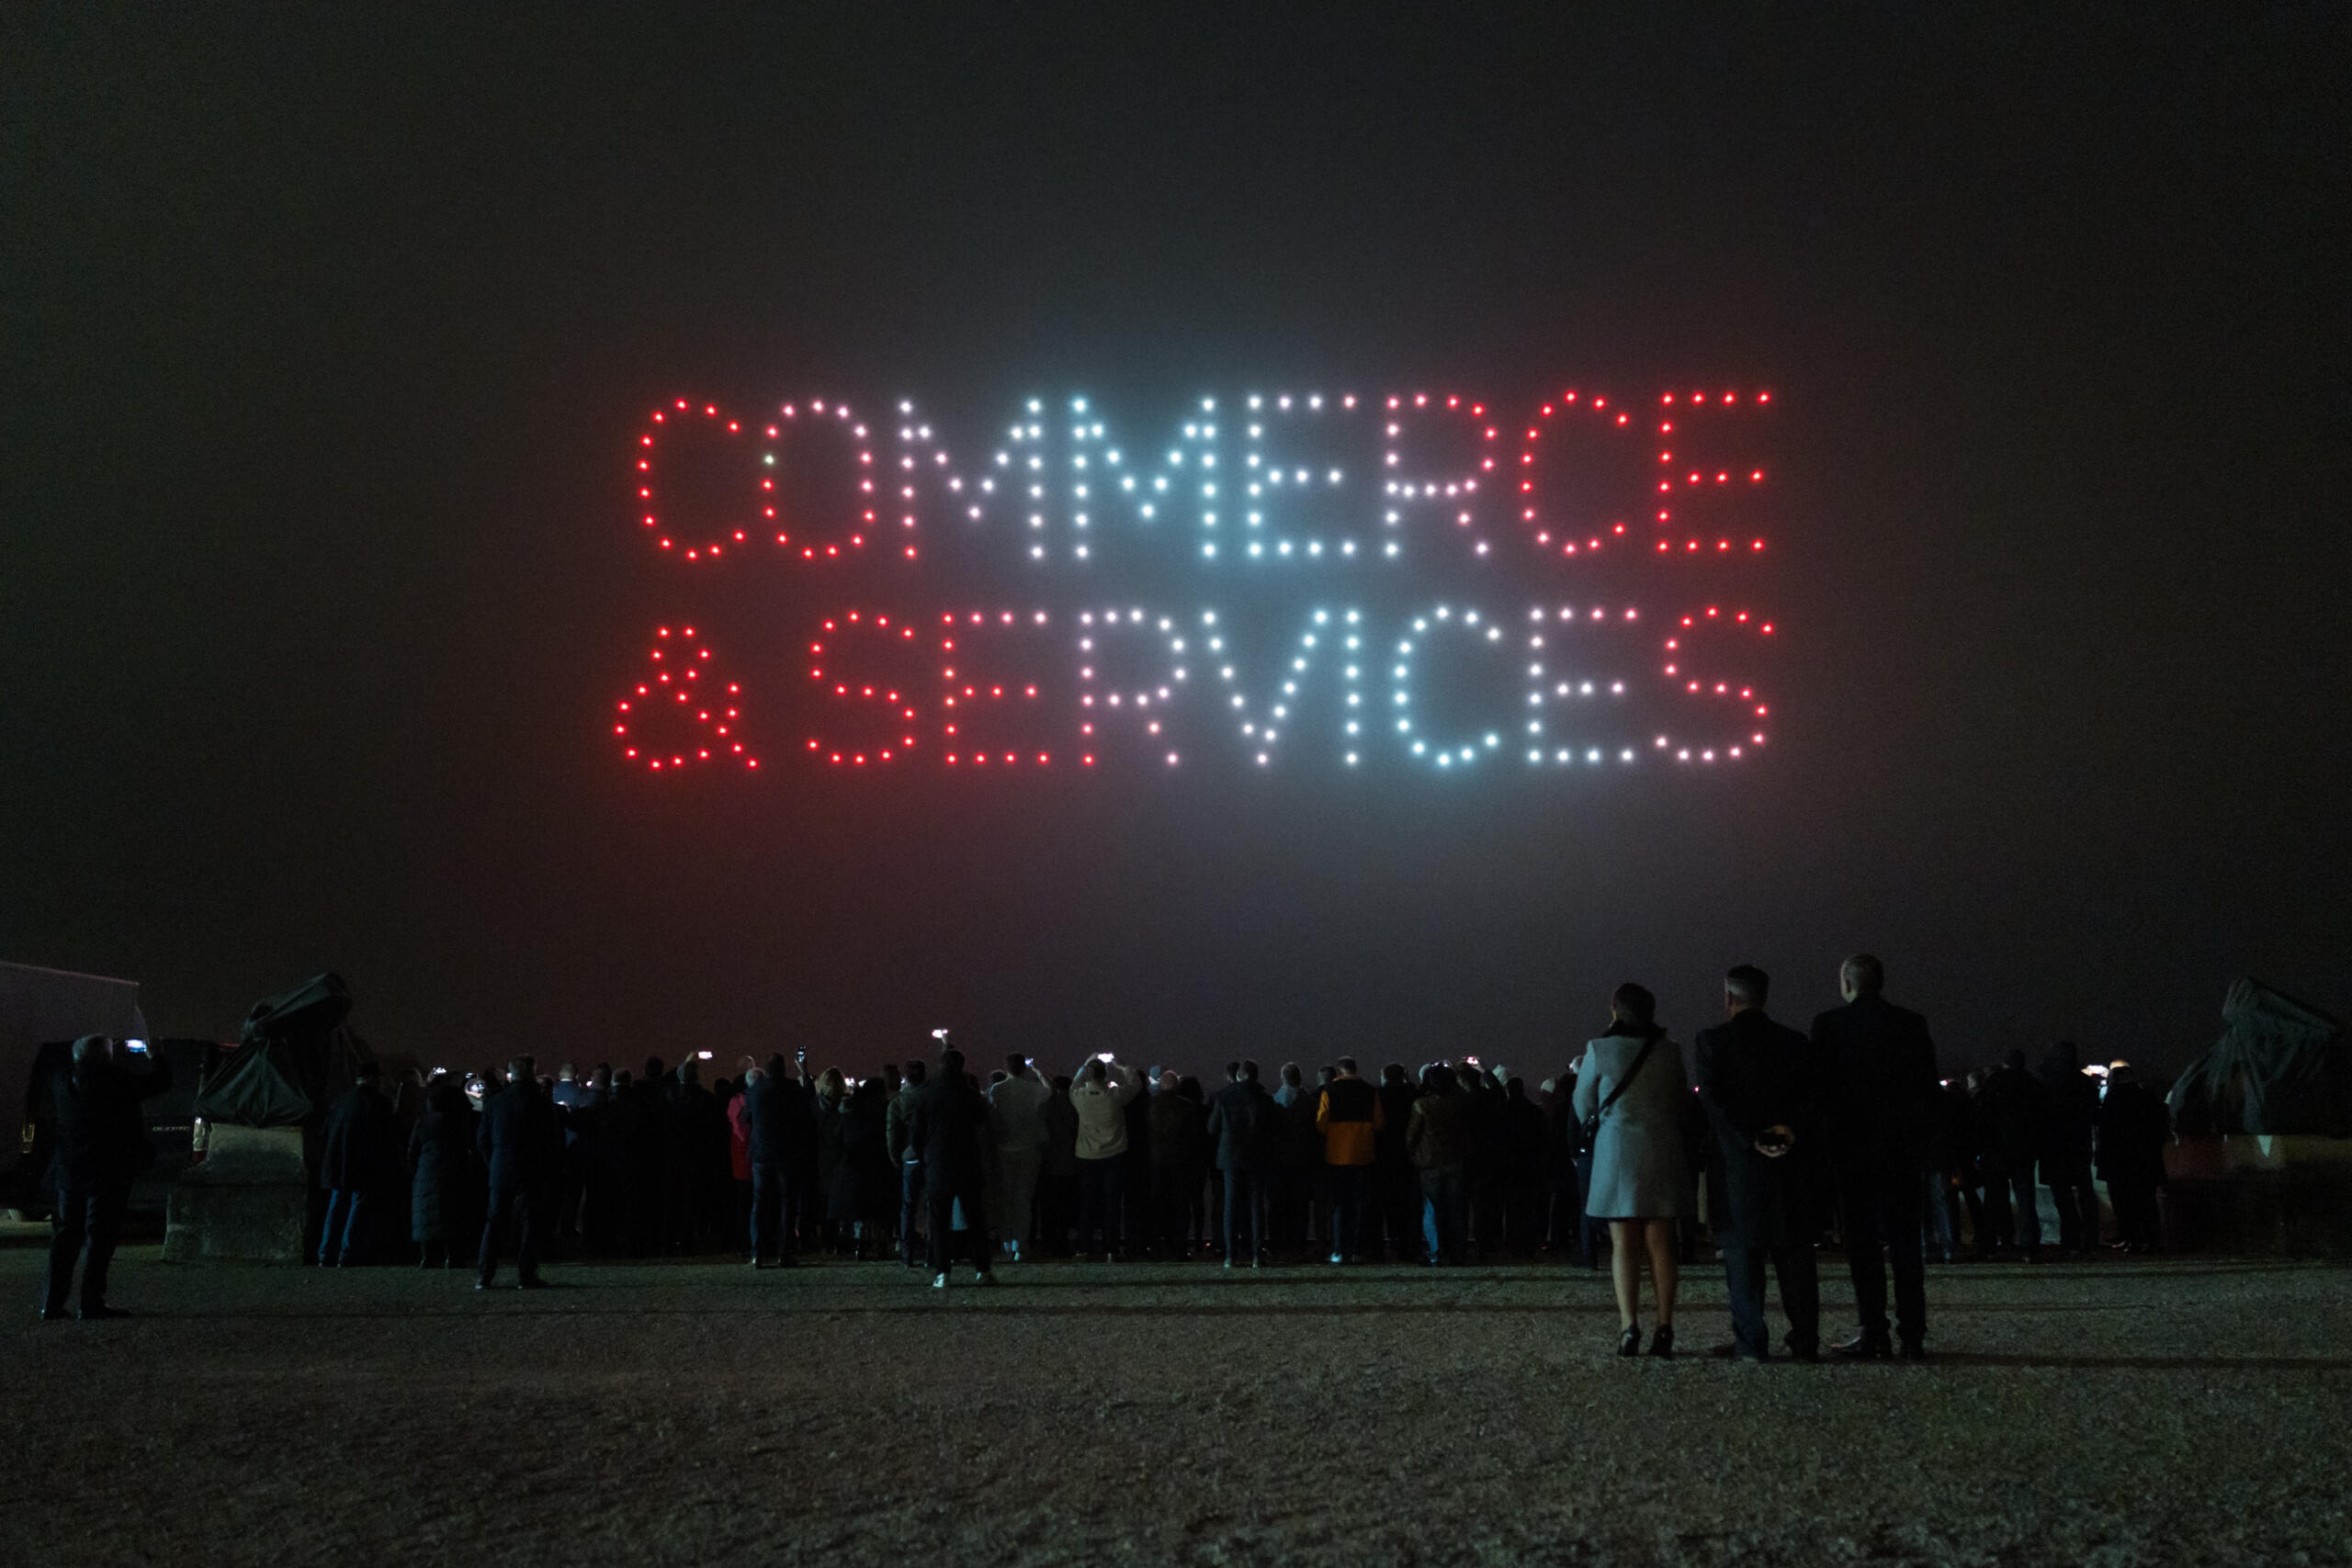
(2278, 1068)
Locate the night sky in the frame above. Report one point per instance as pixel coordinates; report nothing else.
(328, 341)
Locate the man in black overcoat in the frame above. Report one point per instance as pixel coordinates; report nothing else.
(777, 1106)
(1244, 1126)
(949, 1128)
(521, 1140)
(1879, 1068)
(101, 1143)
(358, 1154)
(1756, 1081)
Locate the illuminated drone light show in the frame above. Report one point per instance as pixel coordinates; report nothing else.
(1432, 523)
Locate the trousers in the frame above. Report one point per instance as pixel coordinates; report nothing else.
(1800, 1294)
(349, 1202)
(1245, 1215)
(771, 1210)
(909, 1207)
(1445, 1198)
(89, 1220)
(1882, 1209)
(520, 1204)
(941, 1191)
(1349, 1185)
(2076, 1201)
(1100, 1185)
(1016, 1192)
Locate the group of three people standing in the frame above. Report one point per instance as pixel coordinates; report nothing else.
(1771, 1106)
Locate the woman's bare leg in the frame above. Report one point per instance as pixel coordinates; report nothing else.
(1665, 1266)
(1625, 1267)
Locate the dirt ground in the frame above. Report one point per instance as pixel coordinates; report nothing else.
(2191, 1412)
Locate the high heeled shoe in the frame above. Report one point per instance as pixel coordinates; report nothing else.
(1630, 1342)
(1662, 1341)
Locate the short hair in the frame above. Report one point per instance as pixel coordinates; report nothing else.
(1393, 1073)
(1633, 1003)
(1748, 984)
(1290, 1073)
(776, 1064)
(917, 1071)
(1015, 1062)
(1864, 972)
(653, 1067)
(521, 1068)
(1326, 1074)
(1347, 1063)
(951, 1061)
(1233, 1072)
(1097, 1070)
(1249, 1072)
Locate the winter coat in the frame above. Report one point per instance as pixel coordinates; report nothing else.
(1641, 1164)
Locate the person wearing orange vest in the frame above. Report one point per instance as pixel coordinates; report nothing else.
(1350, 1118)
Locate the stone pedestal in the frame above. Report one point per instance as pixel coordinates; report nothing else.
(247, 1200)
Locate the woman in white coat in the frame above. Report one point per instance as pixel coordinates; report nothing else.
(1633, 1078)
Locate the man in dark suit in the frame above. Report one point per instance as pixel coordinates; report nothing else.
(358, 1154)
(1756, 1081)
(1242, 1124)
(948, 1129)
(521, 1140)
(776, 1108)
(100, 1139)
(1880, 1072)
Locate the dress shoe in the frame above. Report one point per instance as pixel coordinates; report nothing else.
(1629, 1343)
(1914, 1351)
(92, 1313)
(939, 1283)
(1863, 1347)
(1805, 1350)
(1662, 1341)
(52, 1314)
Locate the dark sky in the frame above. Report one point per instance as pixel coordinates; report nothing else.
(326, 342)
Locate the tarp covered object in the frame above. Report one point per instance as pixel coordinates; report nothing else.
(297, 1056)
(253, 1089)
(2279, 1067)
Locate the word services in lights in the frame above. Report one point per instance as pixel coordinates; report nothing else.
(1416, 579)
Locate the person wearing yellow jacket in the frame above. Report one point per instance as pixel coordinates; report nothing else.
(1350, 1118)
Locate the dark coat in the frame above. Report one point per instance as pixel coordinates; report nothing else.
(357, 1145)
(2070, 1110)
(2009, 1112)
(866, 1179)
(1754, 1074)
(949, 1128)
(1246, 1127)
(521, 1140)
(1395, 1113)
(778, 1112)
(101, 1136)
(441, 1204)
(1175, 1132)
(1438, 1132)
(1878, 1087)
(2133, 1126)
(1523, 1140)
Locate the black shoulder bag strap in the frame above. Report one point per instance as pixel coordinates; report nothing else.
(1592, 1122)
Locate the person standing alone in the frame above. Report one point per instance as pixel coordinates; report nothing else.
(100, 1139)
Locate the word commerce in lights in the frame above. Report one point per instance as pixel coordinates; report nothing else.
(1416, 579)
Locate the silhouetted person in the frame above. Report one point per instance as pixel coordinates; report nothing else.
(1176, 1166)
(865, 1194)
(1879, 1071)
(1756, 1080)
(440, 1158)
(1101, 1097)
(949, 1129)
(1300, 1150)
(2134, 1128)
(2009, 1112)
(1349, 1116)
(910, 1158)
(1057, 1197)
(522, 1143)
(777, 1125)
(1437, 1136)
(1017, 1111)
(1524, 1168)
(1244, 1122)
(100, 1144)
(357, 1159)
(1396, 1190)
(2070, 1111)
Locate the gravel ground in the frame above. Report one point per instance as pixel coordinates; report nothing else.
(2112, 1413)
